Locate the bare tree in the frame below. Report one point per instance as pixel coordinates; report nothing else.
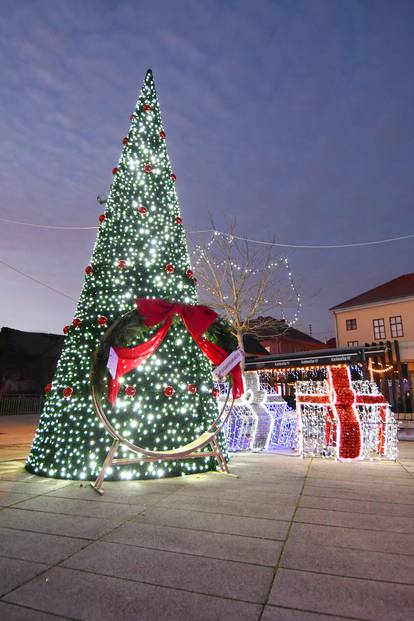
(247, 286)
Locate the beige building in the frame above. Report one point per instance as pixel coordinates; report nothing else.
(385, 313)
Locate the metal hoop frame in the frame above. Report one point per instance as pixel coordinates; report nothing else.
(193, 450)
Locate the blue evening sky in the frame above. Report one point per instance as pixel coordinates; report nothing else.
(294, 116)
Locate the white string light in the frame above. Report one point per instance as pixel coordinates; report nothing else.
(283, 262)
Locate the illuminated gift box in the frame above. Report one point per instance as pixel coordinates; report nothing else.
(343, 419)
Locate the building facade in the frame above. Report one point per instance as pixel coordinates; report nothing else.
(385, 313)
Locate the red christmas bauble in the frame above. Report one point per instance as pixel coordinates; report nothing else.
(125, 140)
(142, 210)
(68, 391)
(115, 170)
(169, 268)
(147, 108)
(173, 177)
(122, 264)
(215, 393)
(102, 218)
(163, 135)
(130, 391)
(102, 320)
(147, 168)
(178, 220)
(189, 273)
(88, 270)
(192, 389)
(76, 322)
(66, 329)
(169, 391)
(48, 388)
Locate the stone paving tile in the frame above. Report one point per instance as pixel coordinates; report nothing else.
(56, 524)
(129, 497)
(352, 597)
(13, 612)
(13, 454)
(215, 545)
(356, 492)
(32, 488)
(229, 507)
(344, 562)
(38, 547)
(14, 572)
(153, 486)
(215, 522)
(273, 613)
(268, 477)
(351, 478)
(236, 495)
(243, 486)
(10, 498)
(354, 538)
(90, 597)
(68, 506)
(26, 479)
(355, 520)
(181, 571)
(358, 506)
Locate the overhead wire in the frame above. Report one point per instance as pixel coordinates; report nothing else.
(374, 242)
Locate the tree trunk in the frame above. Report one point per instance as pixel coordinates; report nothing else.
(240, 343)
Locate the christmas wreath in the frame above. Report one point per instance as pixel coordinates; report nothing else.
(211, 333)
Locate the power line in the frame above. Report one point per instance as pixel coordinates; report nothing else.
(39, 282)
(231, 236)
(307, 246)
(49, 226)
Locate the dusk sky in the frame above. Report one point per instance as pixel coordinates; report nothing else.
(294, 117)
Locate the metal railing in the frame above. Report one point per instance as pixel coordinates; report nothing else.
(11, 405)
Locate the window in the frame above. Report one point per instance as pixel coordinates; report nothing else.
(379, 329)
(396, 326)
(352, 343)
(351, 324)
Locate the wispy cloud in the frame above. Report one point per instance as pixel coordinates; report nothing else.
(294, 117)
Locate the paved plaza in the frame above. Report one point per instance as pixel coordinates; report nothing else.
(289, 540)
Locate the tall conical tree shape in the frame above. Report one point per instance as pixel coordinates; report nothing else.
(140, 251)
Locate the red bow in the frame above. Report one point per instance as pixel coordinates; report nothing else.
(197, 319)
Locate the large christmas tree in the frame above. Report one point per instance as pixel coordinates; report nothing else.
(140, 251)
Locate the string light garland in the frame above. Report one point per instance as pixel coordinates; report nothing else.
(282, 262)
(155, 408)
(381, 370)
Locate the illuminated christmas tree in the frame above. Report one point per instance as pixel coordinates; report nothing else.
(140, 251)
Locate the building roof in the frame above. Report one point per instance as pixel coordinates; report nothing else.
(252, 345)
(279, 328)
(401, 287)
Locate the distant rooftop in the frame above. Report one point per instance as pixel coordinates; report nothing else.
(278, 328)
(401, 287)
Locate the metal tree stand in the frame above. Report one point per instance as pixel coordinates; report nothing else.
(193, 450)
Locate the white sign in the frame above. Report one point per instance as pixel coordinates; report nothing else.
(228, 363)
(112, 363)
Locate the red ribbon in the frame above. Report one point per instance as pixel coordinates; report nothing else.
(197, 319)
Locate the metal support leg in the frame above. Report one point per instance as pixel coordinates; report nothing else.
(224, 469)
(107, 463)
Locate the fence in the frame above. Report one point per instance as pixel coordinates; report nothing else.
(11, 405)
